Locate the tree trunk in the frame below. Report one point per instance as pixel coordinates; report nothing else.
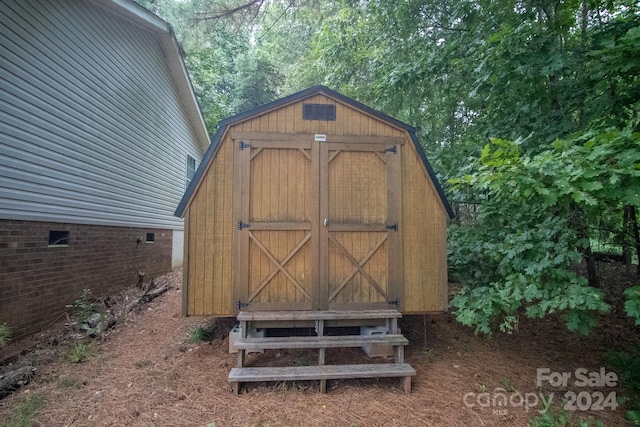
(581, 227)
(592, 269)
(627, 233)
(636, 235)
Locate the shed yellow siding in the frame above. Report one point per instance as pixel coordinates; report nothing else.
(424, 239)
(210, 224)
(208, 237)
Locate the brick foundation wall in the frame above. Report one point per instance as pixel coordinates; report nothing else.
(38, 280)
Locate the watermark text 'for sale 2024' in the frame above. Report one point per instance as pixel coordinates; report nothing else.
(500, 400)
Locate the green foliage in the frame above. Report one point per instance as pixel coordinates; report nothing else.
(24, 413)
(202, 333)
(5, 334)
(197, 335)
(86, 306)
(632, 304)
(549, 419)
(522, 251)
(79, 352)
(561, 418)
(627, 366)
(89, 311)
(256, 82)
(634, 417)
(210, 69)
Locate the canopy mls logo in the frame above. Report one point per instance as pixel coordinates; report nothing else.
(500, 400)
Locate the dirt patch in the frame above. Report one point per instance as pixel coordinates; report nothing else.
(147, 372)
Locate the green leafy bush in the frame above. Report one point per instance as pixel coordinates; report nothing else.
(632, 304)
(627, 366)
(532, 228)
(90, 313)
(86, 306)
(561, 418)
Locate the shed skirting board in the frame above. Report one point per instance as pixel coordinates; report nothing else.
(38, 280)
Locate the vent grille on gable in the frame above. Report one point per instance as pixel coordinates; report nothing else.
(325, 112)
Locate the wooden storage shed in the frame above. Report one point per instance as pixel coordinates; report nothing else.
(314, 202)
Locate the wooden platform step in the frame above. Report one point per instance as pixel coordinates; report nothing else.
(324, 372)
(253, 316)
(271, 343)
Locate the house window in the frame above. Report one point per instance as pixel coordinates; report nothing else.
(58, 238)
(151, 237)
(191, 168)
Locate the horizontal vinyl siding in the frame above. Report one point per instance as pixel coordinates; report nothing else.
(92, 129)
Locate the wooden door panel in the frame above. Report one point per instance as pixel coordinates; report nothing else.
(314, 224)
(357, 188)
(360, 203)
(280, 185)
(274, 232)
(280, 269)
(358, 267)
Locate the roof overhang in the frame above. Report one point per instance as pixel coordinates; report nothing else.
(138, 15)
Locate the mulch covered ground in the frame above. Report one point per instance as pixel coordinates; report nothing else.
(147, 373)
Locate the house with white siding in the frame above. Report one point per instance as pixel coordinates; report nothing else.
(100, 132)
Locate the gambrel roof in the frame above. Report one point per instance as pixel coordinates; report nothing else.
(315, 90)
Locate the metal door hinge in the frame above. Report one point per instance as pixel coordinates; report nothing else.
(395, 302)
(242, 225)
(393, 150)
(240, 304)
(244, 145)
(394, 226)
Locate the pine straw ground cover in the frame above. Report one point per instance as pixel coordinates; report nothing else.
(147, 373)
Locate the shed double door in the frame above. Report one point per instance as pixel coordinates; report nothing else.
(317, 223)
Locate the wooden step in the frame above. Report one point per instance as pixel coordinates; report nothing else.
(324, 372)
(253, 316)
(256, 344)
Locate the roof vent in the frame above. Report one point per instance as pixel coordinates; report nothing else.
(326, 112)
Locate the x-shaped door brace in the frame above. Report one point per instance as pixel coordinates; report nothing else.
(357, 266)
(279, 266)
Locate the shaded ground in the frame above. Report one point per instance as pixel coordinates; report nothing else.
(147, 373)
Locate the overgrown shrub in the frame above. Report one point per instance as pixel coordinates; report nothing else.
(627, 366)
